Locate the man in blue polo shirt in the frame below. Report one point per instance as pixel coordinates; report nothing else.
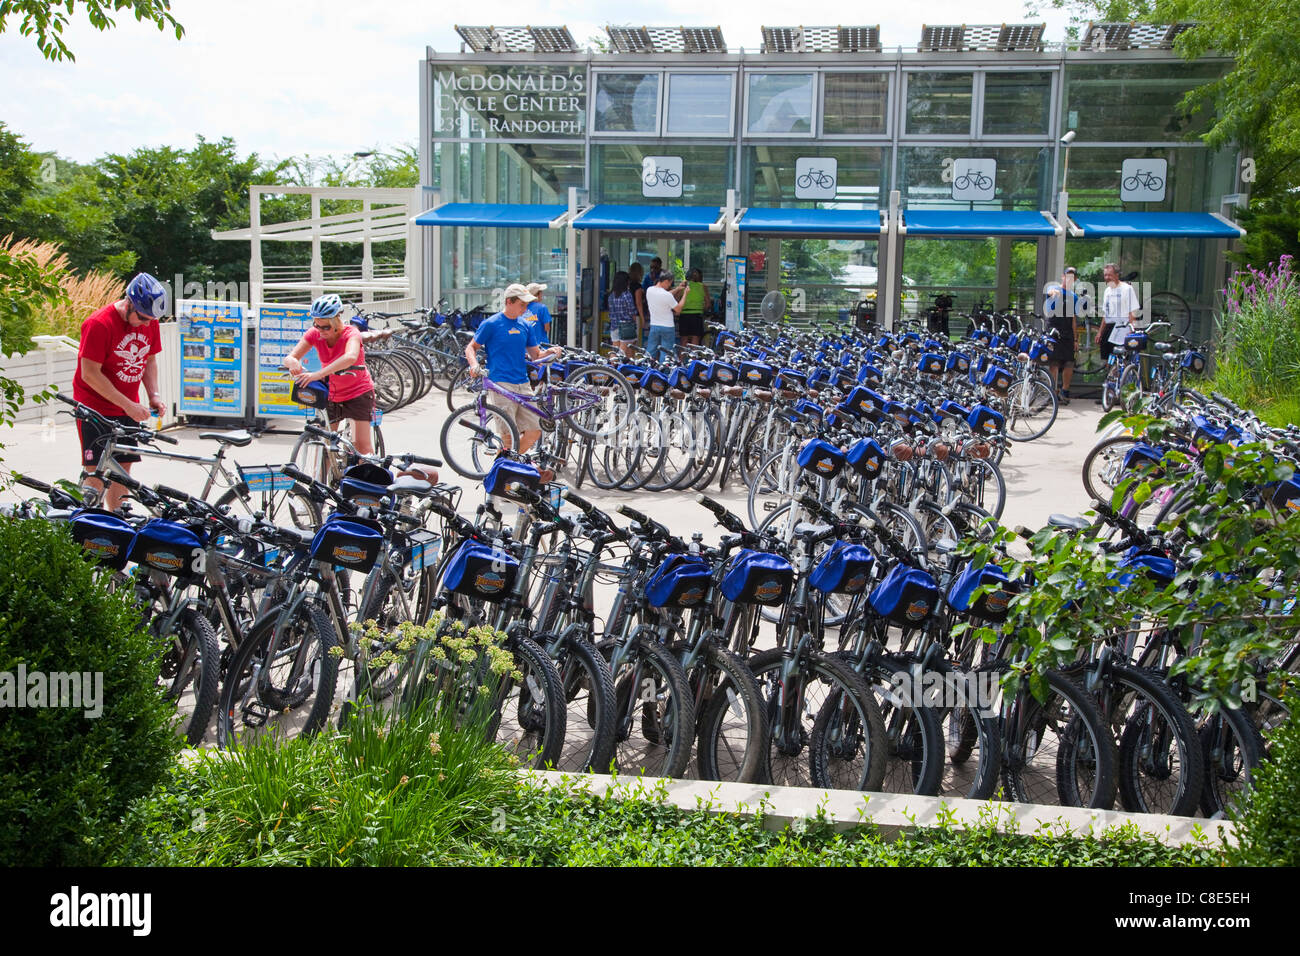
(538, 313)
(509, 340)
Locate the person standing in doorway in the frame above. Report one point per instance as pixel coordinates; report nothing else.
(696, 297)
(1062, 309)
(664, 302)
(652, 277)
(624, 324)
(1119, 312)
(635, 273)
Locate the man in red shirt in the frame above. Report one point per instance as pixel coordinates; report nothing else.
(117, 352)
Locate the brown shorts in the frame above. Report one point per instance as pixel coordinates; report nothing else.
(358, 409)
(524, 420)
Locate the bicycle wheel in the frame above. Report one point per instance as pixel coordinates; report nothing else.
(284, 502)
(473, 435)
(589, 698)
(655, 713)
(1031, 410)
(390, 382)
(677, 456)
(276, 671)
(1129, 388)
(1160, 761)
(1059, 750)
(1172, 308)
(459, 391)
(979, 482)
(599, 399)
(732, 724)
(1103, 468)
(1232, 748)
(824, 727)
(916, 742)
(973, 740)
(382, 663)
(530, 714)
(190, 671)
(774, 484)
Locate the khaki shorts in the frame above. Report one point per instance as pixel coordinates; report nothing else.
(524, 419)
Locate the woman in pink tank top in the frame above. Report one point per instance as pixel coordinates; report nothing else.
(343, 362)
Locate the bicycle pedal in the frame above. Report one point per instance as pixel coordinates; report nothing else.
(255, 715)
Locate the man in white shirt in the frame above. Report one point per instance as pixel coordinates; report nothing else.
(1119, 310)
(663, 302)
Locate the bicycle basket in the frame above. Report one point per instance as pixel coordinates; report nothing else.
(931, 364)
(1143, 457)
(791, 378)
(700, 373)
(678, 379)
(348, 542)
(314, 395)
(1135, 341)
(168, 547)
(424, 548)
(1013, 340)
(480, 571)
(1194, 362)
(1153, 564)
(682, 580)
(365, 484)
(994, 603)
(821, 458)
(953, 408)
(844, 569)
(998, 379)
(654, 382)
(632, 372)
(870, 375)
(723, 374)
(985, 421)
(906, 596)
(506, 476)
(1038, 352)
(866, 457)
(807, 407)
(865, 402)
(103, 536)
(757, 577)
(1287, 496)
(958, 362)
(756, 374)
(843, 380)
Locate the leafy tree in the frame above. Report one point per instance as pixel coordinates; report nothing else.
(46, 19)
(19, 168)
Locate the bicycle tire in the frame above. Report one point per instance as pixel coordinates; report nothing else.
(293, 504)
(1171, 307)
(611, 414)
(378, 683)
(1232, 748)
(1079, 762)
(979, 483)
(470, 453)
(844, 746)
(677, 454)
(390, 383)
(732, 738)
(916, 754)
(589, 705)
(529, 718)
(655, 737)
(1161, 765)
(1128, 390)
(197, 656)
(315, 681)
(1103, 468)
(1031, 410)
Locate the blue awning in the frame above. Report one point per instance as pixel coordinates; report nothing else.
(976, 223)
(503, 215)
(818, 222)
(614, 218)
(1179, 225)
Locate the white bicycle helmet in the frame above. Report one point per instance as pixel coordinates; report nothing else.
(326, 307)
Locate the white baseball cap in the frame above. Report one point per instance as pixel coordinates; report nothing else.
(536, 287)
(518, 291)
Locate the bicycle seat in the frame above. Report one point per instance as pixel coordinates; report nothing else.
(733, 391)
(239, 438)
(409, 485)
(419, 473)
(1066, 521)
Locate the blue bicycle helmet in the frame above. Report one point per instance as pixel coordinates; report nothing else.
(147, 296)
(326, 307)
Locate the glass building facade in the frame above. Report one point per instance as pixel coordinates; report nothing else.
(525, 128)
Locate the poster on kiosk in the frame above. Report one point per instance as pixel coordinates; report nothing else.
(735, 304)
(212, 357)
(279, 329)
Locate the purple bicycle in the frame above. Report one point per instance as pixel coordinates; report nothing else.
(595, 400)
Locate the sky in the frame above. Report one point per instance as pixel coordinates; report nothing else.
(330, 78)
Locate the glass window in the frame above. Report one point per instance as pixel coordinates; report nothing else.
(699, 103)
(627, 103)
(1135, 102)
(939, 103)
(780, 102)
(616, 172)
(1017, 104)
(524, 101)
(855, 102)
(861, 176)
(1022, 180)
